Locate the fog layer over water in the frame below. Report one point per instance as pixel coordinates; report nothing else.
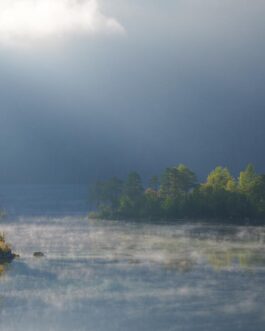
(110, 275)
(125, 276)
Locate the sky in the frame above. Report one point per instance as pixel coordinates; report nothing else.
(96, 88)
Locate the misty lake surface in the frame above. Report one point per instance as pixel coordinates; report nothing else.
(125, 276)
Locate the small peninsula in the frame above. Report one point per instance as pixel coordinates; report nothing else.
(6, 254)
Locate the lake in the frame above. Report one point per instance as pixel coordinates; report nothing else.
(125, 276)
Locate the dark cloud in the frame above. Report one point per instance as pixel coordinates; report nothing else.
(185, 85)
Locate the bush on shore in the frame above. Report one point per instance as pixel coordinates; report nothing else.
(6, 254)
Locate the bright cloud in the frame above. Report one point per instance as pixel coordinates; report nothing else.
(23, 21)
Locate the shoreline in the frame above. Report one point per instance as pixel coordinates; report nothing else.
(212, 221)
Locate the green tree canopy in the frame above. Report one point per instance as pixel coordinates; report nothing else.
(179, 195)
(154, 183)
(108, 191)
(248, 179)
(133, 186)
(187, 178)
(220, 179)
(176, 181)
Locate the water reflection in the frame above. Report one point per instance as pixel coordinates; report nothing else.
(242, 258)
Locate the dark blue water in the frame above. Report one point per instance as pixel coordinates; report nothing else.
(108, 276)
(63, 200)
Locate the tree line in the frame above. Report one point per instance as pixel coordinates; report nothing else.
(177, 194)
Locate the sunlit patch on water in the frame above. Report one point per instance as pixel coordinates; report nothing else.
(102, 275)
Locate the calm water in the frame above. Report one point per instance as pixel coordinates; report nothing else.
(102, 275)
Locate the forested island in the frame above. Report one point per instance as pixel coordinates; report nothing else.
(176, 194)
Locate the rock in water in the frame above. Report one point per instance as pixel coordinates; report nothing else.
(38, 254)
